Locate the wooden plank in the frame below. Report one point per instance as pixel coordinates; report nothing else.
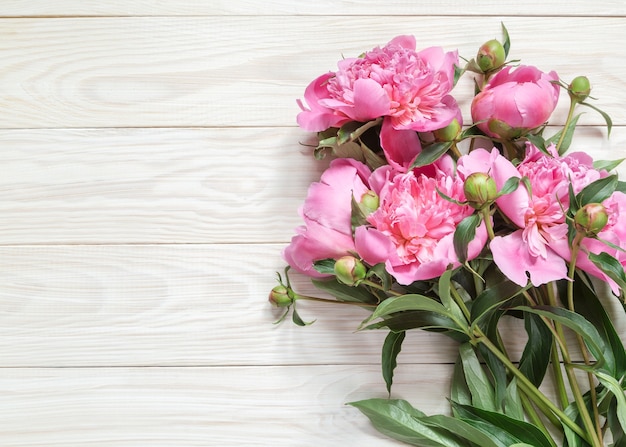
(65, 8)
(249, 70)
(103, 186)
(221, 406)
(183, 305)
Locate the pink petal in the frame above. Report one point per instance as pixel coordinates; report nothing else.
(401, 147)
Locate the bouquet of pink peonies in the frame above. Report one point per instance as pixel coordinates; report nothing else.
(429, 223)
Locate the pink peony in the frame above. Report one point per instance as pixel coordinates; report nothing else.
(411, 89)
(327, 232)
(515, 101)
(539, 213)
(412, 230)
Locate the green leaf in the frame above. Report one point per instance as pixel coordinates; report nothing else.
(379, 271)
(614, 387)
(344, 292)
(536, 356)
(607, 118)
(506, 43)
(619, 434)
(405, 303)
(459, 391)
(493, 298)
(538, 141)
(587, 304)
(509, 186)
(431, 153)
(460, 428)
(610, 266)
(567, 139)
(477, 381)
(299, 321)
(596, 344)
(325, 266)
(464, 234)
(397, 419)
(414, 320)
(598, 191)
(607, 165)
(391, 349)
(508, 430)
(344, 134)
(513, 402)
(444, 285)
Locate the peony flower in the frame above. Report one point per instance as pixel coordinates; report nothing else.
(515, 101)
(412, 230)
(539, 213)
(327, 230)
(409, 88)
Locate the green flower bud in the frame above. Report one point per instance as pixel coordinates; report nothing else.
(591, 219)
(480, 189)
(579, 89)
(504, 131)
(369, 202)
(349, 270)
(491, 55)
(280, 296)
(448, 133)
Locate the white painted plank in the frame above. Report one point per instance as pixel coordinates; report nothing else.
(221, 406)
(43, 8)
(182, 305)
(248, 71)
(107, 186)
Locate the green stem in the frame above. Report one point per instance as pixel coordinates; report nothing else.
(486, 214)
(583, 349)
(455, 151)
(570, 114)
(556, 362)
(381, 288)
(535, 419)
(532, 391)
(324, 300)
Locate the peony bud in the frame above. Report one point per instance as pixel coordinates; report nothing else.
(369, 202)
(349, 270)
(491, 55)
(591, 219)
(448, 133)
(480, 189)
(579, 89)
(280, 296)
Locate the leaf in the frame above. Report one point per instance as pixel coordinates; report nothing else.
(477, 381)
(299, 321)
(607, 118)
(619, 434)
(610, 266)
(513, 402)
(391, 349)
(607, 165)
(596, 344)
(414, 320)
(460, 428)
(614, 387)
(431, 153)
(344, 292)
(536, 356)
(500, 426)
(408, 302)
(325, 266)
(493, 298)
(567, 139)
(444, 285)
(459, 391)
(397, 419)
(509, 186)
(598, 191)
(465, 233)
(506, 43)
(587, 304)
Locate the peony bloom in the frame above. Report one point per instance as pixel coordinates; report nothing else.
(409, 88)
(515, 101)
(538, 214)
(412, 230)
(327, 230)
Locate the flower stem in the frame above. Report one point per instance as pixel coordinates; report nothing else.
(486, 215)
(532, 391)
(570, 115)
(324, 300)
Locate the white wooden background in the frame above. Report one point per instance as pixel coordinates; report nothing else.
(150, 174)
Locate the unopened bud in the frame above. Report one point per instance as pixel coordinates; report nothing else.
(349, 270)
(579, 89)
(480, 189)
(280, 296)
(448, 133)
(491, 55)
(591, 219)
(369, 202)
(504, 131)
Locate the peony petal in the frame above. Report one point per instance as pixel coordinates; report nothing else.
(372, 245)
(401, 147)
(370, 101)
(511, 255)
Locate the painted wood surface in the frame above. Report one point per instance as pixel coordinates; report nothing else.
(150, 175)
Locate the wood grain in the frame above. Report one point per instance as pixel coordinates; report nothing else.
(234, 185)
(248, 70)
(43, 8)
(184, 407)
